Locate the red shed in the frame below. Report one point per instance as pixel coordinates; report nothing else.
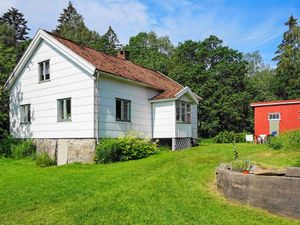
(276, 116)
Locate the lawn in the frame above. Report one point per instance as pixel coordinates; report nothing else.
(167, 188)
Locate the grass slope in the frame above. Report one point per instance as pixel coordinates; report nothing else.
(168, 188)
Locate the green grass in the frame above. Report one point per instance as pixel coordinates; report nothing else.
(167, 188)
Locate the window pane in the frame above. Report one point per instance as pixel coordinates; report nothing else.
(126, 110)
(28, 113)
(118, 109)
(68, 108)
(61, 109)
(188, 113)
(41, 71)
(177, 111)
(183, 112)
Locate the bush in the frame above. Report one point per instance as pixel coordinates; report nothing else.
(240, 165)
(23, 149)
(44, 160)
(123, 149)
(288, 141)
(6, 145)
(230, 137)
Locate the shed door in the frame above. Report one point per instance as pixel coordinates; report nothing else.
(274, 119)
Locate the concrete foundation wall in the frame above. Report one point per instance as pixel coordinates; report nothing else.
(277, 194)
(67, 150)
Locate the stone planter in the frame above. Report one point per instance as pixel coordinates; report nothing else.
(277, 194)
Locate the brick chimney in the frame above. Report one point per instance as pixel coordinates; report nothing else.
(123, 55)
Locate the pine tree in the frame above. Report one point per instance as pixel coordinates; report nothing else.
(71, 26)
(111, 43)
(288, 66)
(16, 20)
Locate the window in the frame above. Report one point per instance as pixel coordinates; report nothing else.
(64, 109)
(25, 114)
(44, 70)
(274, 116)
(123, 110)
(183, 112)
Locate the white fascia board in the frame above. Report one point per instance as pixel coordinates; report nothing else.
(275, 103)
(163, 100)
(39, 36)
(187, 90)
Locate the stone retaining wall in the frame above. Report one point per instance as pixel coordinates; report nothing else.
(277, 194)
(77, 150)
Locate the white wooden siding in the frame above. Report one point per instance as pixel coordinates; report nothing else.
(164, 120)
(110, 89)
(67, 80)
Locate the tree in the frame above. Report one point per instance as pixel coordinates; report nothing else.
(110, 42)
(71, 26)
(7, 62)
(217, 74)
(288, 62)
(16, 20)
(151, 51)
(255, 63)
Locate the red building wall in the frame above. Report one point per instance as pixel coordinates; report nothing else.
(290, 118)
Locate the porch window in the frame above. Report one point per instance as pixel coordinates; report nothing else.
(123, 108)
(183, 112)
(64, 109)
(25, 114)
(274, 116)
(44, 70)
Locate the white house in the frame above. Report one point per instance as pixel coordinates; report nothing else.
(67, 96)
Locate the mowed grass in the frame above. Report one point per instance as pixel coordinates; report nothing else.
(167, 188)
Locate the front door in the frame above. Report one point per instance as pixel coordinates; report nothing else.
(274, 120)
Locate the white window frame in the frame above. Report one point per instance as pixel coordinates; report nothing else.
(273, 116)
(42, 71)
(25, 114)
(183, 112)
(62, 115)
(123, 119)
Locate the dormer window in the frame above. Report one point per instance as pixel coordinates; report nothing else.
(44, 70)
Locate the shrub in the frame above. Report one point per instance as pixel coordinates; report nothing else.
(123, 149)
(23, 149)
(230, 137)
(288, 141)
(44, 160)
(6, 145)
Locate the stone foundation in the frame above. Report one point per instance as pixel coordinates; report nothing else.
(67, 150)
(277, 194)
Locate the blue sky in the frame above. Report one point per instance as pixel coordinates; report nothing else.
(243, 25)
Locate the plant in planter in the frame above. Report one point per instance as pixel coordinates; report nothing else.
(244, 166)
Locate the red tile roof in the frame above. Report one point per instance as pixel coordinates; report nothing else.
(278, 102)
(124, 68)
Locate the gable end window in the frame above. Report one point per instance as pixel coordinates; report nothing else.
(123, 110)
(274, 116)
(183, 112)
(64, 109)
(44, 70)
(25, 114)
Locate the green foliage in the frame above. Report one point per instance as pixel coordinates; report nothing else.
(217, 74)
(287, 141)
(44, 160)
(23, 149)
(16, 20)
(151, 51)
(288, 62)
(230, 137)
(110, 42)
(6, 143)
(241, 165)
(123, 149)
